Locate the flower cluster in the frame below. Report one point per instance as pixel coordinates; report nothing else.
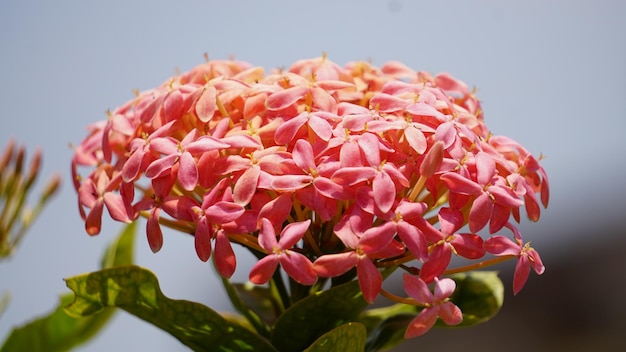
(324, 170)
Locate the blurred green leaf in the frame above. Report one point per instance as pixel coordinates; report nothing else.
(255, 303)
(349, 337)
(58, 331)
(311, 317)
(136, 290)
(478, 294)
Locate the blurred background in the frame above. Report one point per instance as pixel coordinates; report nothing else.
(550, 74)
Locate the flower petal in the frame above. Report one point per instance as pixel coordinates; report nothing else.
(298, 267)
(263, 270)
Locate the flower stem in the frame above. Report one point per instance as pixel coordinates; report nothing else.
(479, 265)
(398, 299)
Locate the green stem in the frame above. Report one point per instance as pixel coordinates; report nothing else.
(277, 285)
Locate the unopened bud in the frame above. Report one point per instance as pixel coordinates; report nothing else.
(7, 155)
(432, 160)
(35, 167)
(51, 188)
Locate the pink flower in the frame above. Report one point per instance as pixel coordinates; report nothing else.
(447, 242)
(95, 193)
(365, 244)
(527, 256)
(494, 199)
(436, 304)
(295, 264)
(212, 213)
(182, 153)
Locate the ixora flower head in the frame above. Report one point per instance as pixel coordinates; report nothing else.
(331, 172)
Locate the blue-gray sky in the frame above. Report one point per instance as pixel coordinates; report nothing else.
(550, 74)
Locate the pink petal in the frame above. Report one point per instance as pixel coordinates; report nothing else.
(267, 236)
(468, 246)
(131, 167)
(499, 217)
(320, 126)
(459, 184)
(153, 231)
(350, 155)
(369, 144)
(450, 220)
(417, 289)
(118, 210)
(422, 323)
(522, 270)
(384, 191)
(536, 262)
(277, 210)
(501, 245)
(288, 130)
(450, 313)
(179, 207)
(480, 213)
(387, 103)
(444, 288)
(370, 279)
(303, 155)
(160, 166)
(333, 265)
(223, 212)
(206, 104)
(432, 160)
(202, 239)
(204, 144)
(446, 132)
(377, 238)
(437, 263)
(353, 175)
(93, 222)
(174, 105)
(292, 233)
(224, 258)
(298, 267)
(323, 100)
(187, 171)
(285, 98)
(263, 270)
(87, 193)
(164, 145)
(416, 139)
(485, 168)
(330, 189)
(413, 239)
(246, 185)
(423, 109)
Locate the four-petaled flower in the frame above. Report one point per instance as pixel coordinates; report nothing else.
(527, 256)
(436, 304)
(295, 264)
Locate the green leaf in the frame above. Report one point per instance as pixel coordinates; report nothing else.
(255, 303)
(349, 337)
(478, 294)
(386, 326)
(309, 318)
(136, 290)
(59, 332)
